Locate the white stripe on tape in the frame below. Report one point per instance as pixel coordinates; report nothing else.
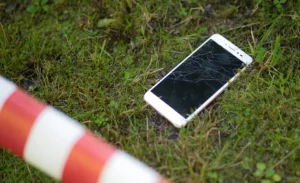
(6, 89)
(50, 141)
(121, 167)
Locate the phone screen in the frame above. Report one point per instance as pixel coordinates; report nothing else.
(198, 78)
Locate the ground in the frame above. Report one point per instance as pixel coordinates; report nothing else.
(94, 60)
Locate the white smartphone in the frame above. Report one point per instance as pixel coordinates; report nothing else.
(197, 80)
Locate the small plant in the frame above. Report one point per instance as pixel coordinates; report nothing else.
(183, 12)
(214, 176)
(267, 175)
(247, 112)
(38, 5)
(260, 54)
(102, 120)
(278, 4)
(127, 77)
(246, 163)
(113, 104)
(274, 57)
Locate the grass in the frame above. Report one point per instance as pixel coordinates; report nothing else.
(94, 60)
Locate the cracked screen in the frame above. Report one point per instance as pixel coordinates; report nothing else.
(198, 78)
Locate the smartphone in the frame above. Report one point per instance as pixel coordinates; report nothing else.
(197, 80)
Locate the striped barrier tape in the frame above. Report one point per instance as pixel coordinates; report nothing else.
(61, 147)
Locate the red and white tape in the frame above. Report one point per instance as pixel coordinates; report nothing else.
(61, 147)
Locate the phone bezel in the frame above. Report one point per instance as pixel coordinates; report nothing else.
(168, 112)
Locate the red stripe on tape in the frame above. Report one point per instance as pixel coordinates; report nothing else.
(16, 119)
(87, 159)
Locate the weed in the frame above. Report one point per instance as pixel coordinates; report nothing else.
(41, 5)
(37, 6)
(278, 4)
(102, 120)
(266, 175)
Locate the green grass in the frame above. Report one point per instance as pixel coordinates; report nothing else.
(95, 60)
